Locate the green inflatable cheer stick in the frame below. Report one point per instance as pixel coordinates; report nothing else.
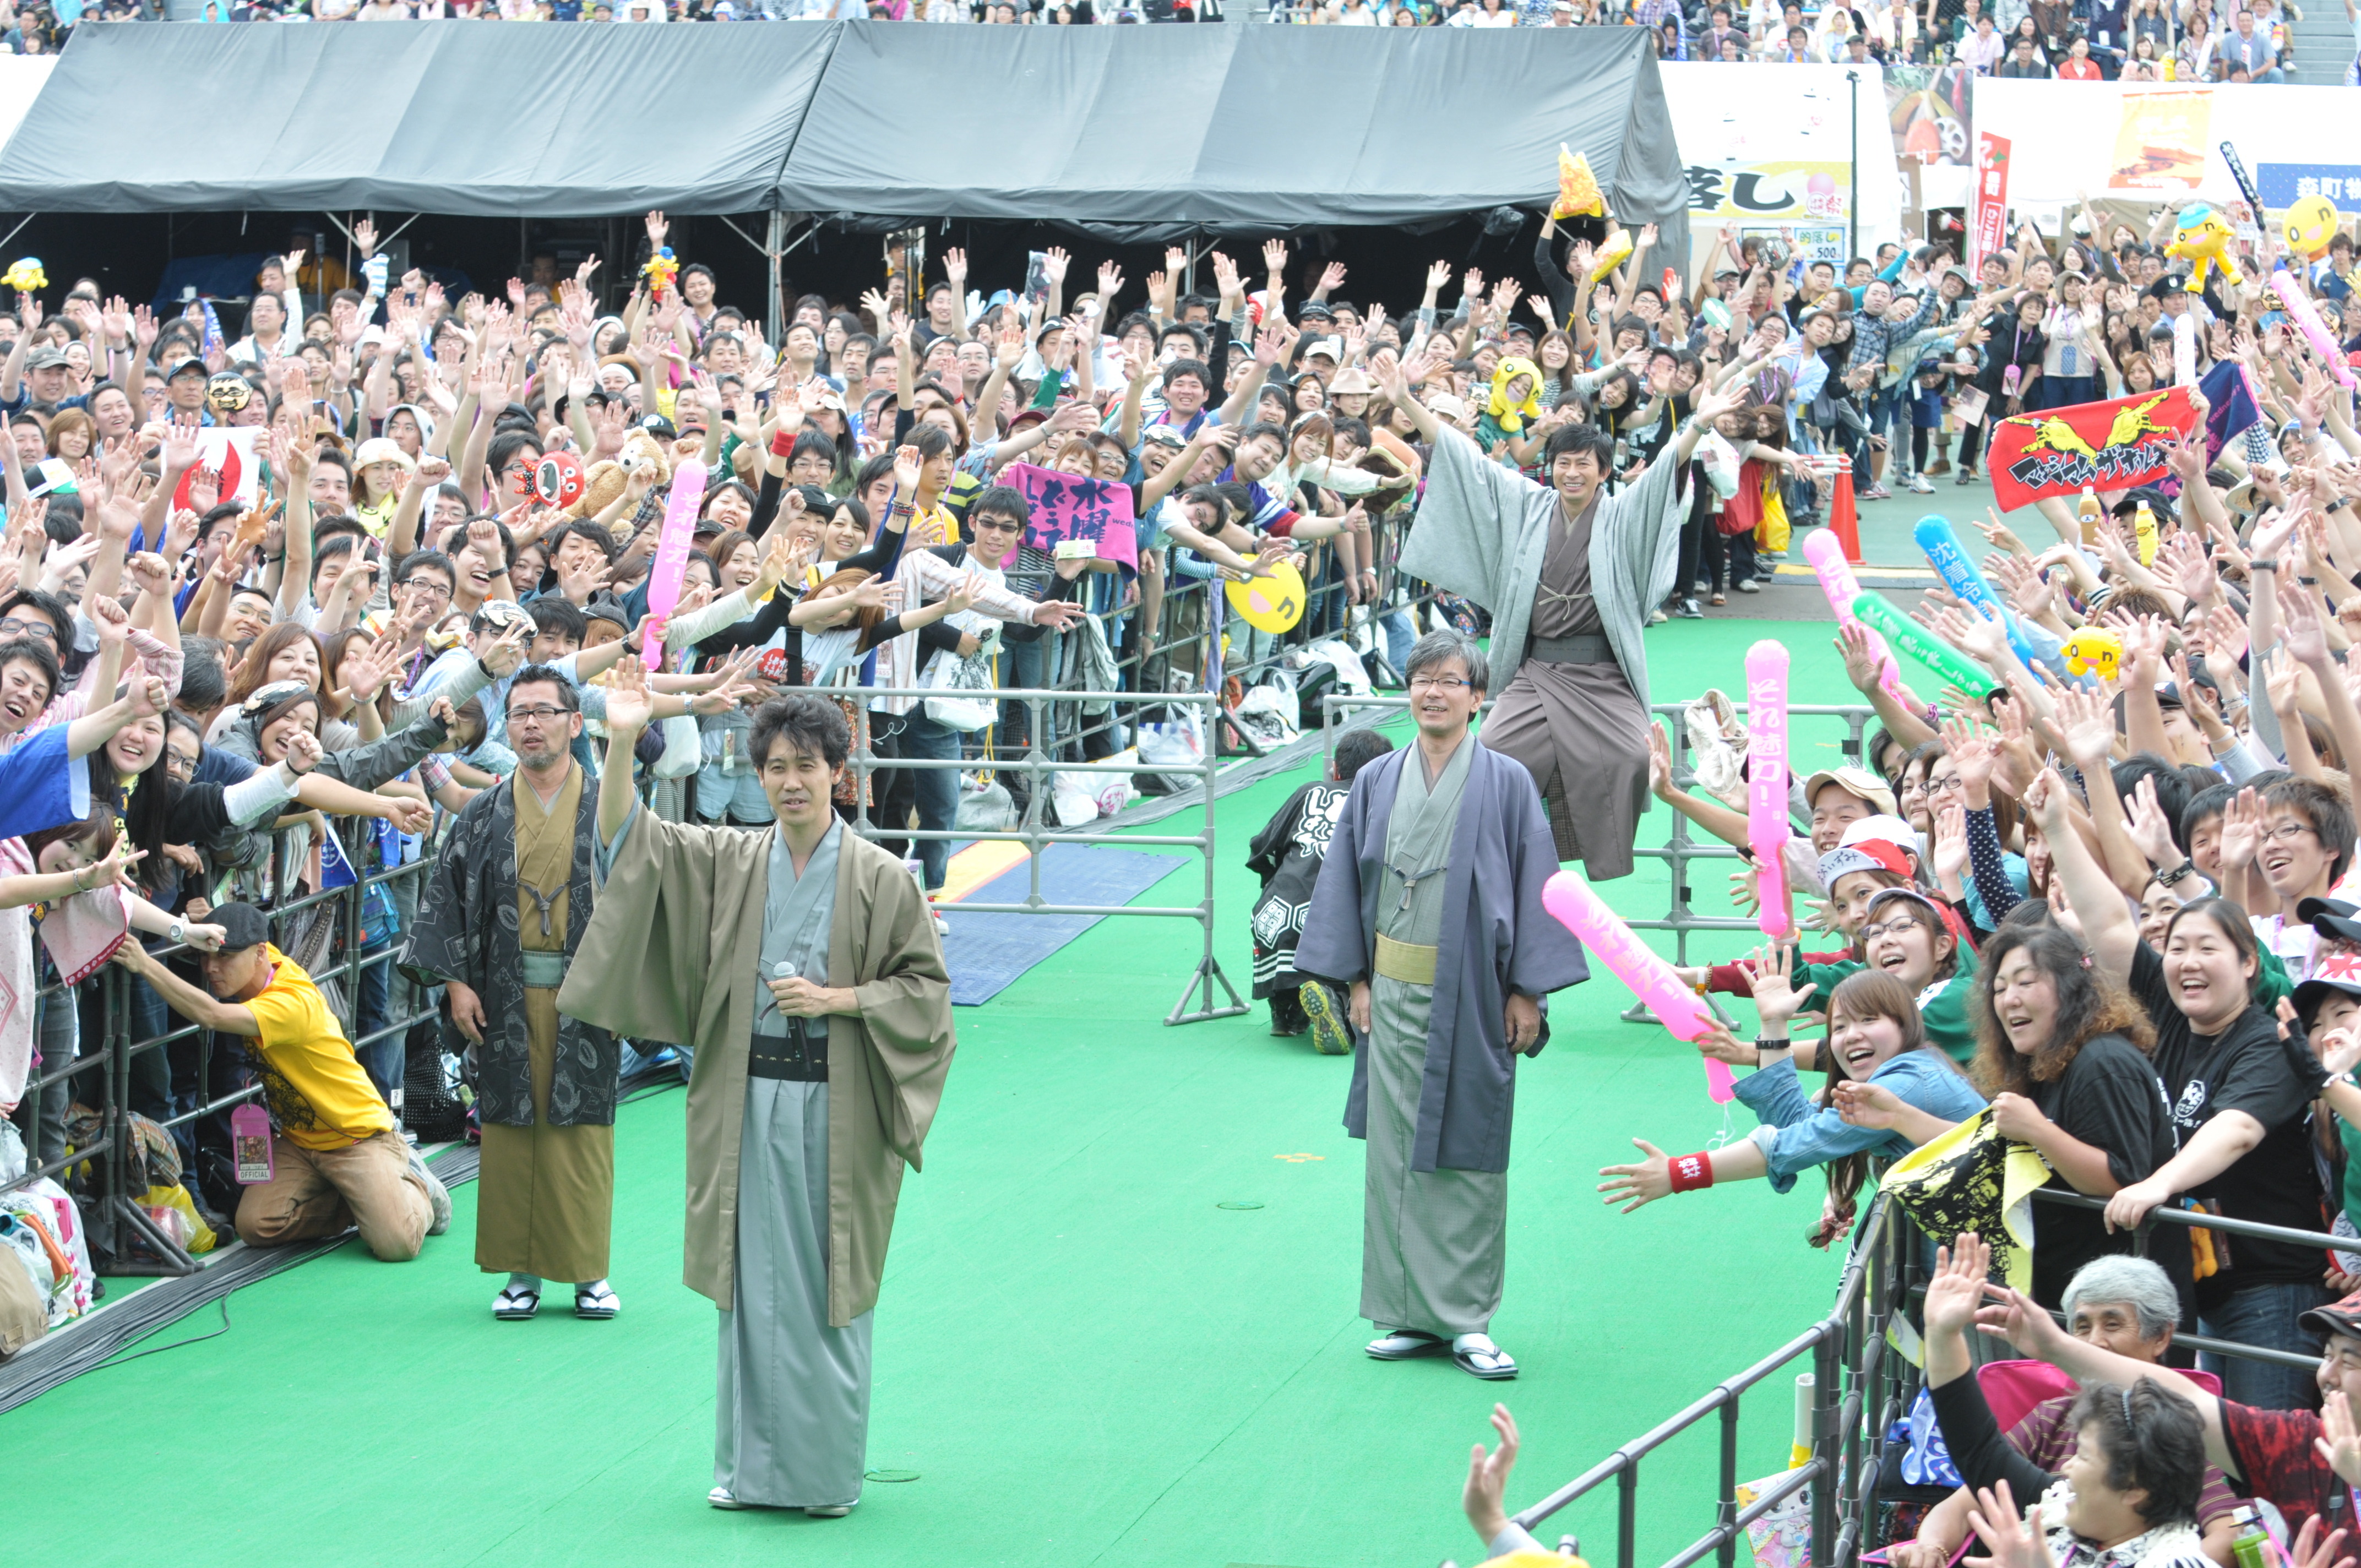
(1906, 636)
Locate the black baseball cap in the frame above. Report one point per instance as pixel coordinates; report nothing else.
(243, 926)
(2331, 918)
(2337, 1318)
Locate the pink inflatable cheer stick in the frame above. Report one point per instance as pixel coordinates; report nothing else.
(1767, 825)
(1652, 979)
(2299, 311)
(672, 553)
(1837, 581)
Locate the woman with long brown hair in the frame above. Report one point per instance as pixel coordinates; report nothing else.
(2062, 1048)
(1874, 1036)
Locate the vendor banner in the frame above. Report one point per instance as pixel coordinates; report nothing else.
(2112, 446)
(1068, 510)
(1988, 224)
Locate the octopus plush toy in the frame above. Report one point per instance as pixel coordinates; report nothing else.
(2202, 238)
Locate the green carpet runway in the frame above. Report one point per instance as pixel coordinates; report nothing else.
(1083, 1355)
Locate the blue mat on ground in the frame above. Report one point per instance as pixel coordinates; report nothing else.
(987, 953)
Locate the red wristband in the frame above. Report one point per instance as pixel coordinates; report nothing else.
(1691, 1172)
(781, 442)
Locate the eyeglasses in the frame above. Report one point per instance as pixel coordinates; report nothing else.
(2285, 833)
(1445, 684)
(41, 626)
(1950, 783)
(179, 763)
(426, 586)
(540, 713)
(1888, 928)
(998, 525)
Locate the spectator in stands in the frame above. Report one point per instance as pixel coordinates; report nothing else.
(2132, 1483)
(2239, 1097)
(2125, 1305)
(2061, 1053)
(1982, 50)
(2250, 49)
(2271, 1454)
(1875, 1035)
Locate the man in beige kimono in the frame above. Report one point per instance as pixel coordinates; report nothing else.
(802, 964)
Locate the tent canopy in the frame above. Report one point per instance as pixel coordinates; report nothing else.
(1162, 130)
(413, 117)
(1154, 132)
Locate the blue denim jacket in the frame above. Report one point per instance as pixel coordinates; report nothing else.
(1797, 1134)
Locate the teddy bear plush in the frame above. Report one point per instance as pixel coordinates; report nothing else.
(608, 477)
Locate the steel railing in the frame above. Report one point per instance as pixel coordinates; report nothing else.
(1037, 835)
(99, 1171)
(1860, 1386)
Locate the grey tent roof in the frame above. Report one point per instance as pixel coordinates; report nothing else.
(412, 118)
(1153, 131)
(1231, 126)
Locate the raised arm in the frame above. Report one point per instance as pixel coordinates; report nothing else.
(2108, 928)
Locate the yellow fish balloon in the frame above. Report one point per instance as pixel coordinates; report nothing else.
(2090, 651)
(26, 277)
(2311, 223)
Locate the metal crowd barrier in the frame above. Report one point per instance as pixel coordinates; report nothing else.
(1032, 832)
(109, 1202)
(1861, 1386)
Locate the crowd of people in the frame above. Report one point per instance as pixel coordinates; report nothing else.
(2117, 914)
(2184, 40)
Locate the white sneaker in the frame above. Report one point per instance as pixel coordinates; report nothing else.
(1921, 484)
(437, 1195)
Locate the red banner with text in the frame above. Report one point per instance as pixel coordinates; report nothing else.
(2113, 445)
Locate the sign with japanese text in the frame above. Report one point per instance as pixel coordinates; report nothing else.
(2112, 446)
(1068, 507)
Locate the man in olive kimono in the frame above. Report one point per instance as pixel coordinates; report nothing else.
(1570, 575)
(801, 961)
(1429, 908)
(502, 914)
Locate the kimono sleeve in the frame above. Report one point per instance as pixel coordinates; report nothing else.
(643, 968)
(1468, 522)
(905, 993)
(1546, 958)
(1334, 947)
(444, 944)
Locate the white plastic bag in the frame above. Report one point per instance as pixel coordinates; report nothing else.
(985, 808)
(1347, 663)
(1718, 748)
(1178, 742)
(1268, 713)
(1114, 791)
(1071, 800)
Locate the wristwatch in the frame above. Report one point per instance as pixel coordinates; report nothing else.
(2177, 875)
(175, 932)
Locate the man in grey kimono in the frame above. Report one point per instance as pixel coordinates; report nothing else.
(802, 964)
(1429, 908)
(1570, 576)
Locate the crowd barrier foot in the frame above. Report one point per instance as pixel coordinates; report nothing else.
(1208, 972)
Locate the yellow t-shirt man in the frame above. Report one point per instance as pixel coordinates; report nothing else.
(318, 1093)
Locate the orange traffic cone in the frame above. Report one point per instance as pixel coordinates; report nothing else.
(1843, 522)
